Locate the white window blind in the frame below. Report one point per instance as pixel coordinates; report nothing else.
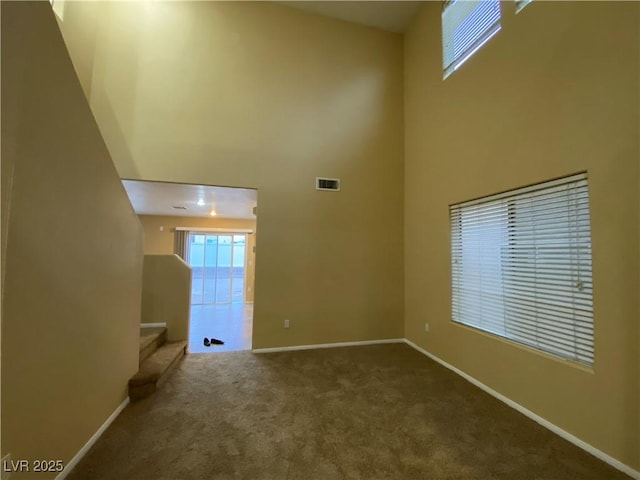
(466, 26)
(521, 267)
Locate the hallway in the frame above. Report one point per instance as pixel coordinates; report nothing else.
(231, 323)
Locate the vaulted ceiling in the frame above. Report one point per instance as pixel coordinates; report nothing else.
(394, 16)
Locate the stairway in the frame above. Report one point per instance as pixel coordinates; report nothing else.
(157, 359)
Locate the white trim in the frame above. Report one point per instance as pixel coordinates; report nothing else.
(154, 325)
(83, 451)
(327, 345)
(212, 229)
(617, 464)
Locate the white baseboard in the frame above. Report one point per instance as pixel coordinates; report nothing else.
(153, 325)
(83, 451)
(328, 345)
(545, 423)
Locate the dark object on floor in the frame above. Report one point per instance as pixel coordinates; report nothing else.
(207, 343)
(215, 341)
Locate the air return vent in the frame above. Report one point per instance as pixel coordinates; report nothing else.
(330, 184)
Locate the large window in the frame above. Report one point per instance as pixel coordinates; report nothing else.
(466, 26)
(521, 267)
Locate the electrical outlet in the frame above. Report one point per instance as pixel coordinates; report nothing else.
(426, 327)
(286, 324)
(5, 467)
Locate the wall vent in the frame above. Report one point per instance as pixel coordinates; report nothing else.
(329, 184)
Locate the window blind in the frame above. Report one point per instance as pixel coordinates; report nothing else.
(466, 26)
(521, 267)
(520, 4)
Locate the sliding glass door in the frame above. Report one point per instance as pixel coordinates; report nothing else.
(218, 267)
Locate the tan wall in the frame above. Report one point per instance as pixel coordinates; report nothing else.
(158, 241)
(555, 92)
(72, 287)
(166, 294)
(85, 16)
(263, 96)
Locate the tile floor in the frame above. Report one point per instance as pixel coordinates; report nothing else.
(231, 323)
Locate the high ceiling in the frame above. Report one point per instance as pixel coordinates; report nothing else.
(157, 198)
(184, 200)
(394, 16)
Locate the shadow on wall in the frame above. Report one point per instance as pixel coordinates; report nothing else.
(111, 97)
(73, 252)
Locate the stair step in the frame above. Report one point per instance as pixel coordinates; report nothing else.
(150, 340)
(155, 370)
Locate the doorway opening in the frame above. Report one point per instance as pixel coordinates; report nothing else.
(221, 290)
(213, 230)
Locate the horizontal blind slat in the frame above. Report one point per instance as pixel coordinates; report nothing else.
(465, 26)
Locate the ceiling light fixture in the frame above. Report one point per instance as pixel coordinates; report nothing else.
(213, 213)
(200, 202)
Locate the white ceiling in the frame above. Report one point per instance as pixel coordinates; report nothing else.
(158, 198)
(394, 16)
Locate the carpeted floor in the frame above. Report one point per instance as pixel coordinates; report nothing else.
(372, 412)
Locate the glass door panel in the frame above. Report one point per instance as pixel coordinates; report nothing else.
(196, 260)
(210, 267)
(237, 277)
(218, 267)
(223, 291)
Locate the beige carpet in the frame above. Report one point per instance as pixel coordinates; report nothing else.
(373, 412)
